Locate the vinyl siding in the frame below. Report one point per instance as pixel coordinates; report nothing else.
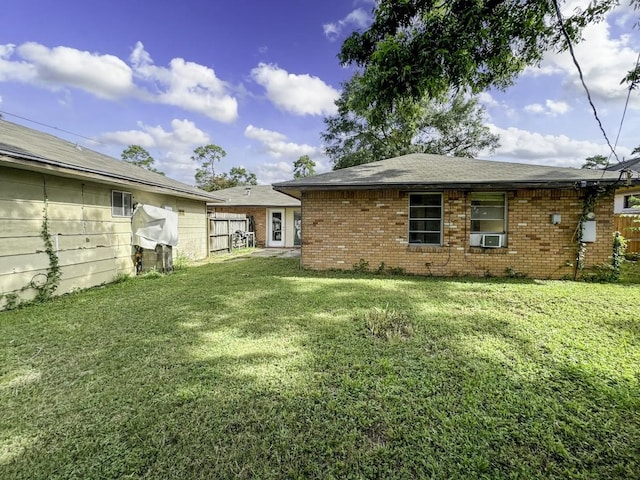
(93, 246)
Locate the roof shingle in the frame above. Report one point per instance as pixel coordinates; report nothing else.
(439, 171)
(41, 149)
(255, 196)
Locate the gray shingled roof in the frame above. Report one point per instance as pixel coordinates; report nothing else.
(259, 196)
(427, 171)
(32, 148)
(632, 164)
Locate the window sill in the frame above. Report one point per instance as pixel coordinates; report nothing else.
(416, 247)
(488, 251)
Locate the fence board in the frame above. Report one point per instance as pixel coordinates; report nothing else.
(625, 225)
(222, 227)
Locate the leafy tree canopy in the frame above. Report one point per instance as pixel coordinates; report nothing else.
(206, 176)
(206, 156)
(428, 47)
(595, 162)
(304, 167)
(137, 155)
(453, 125)
(602, 161)
(237, 176)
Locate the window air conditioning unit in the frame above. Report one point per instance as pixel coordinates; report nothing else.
(491, 241)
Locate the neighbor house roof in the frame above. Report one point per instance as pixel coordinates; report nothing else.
(632, 164)
(28, 149)
(255, 196)
(430, 172)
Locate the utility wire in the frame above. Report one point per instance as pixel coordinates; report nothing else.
(50, 126)
(575, 61)
(626, 104)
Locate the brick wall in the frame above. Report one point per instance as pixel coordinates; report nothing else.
(259, 215)
(340, 228)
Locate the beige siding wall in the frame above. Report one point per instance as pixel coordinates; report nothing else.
(93, 246)
(340, 228)
(192, 222)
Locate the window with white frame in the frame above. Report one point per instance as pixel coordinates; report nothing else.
(121, 204)
(425, 218)
(632, 201)
(488, 213)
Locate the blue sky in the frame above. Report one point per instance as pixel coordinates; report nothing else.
(257, 78)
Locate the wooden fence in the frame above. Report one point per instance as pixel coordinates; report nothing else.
(624, 224)
(222, 232)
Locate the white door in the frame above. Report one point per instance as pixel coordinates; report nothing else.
(276, 228)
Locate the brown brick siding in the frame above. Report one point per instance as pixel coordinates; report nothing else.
(340, 228)
(259, 215)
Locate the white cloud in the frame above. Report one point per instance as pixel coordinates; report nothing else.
(550, 108)
(269, 173)
(187, 85)
(263, 135)
(604, 61)
(486, 99)
(11, 70)
(297, 94)
(518, 145)
(357, 19)
(105, 76)
(557, 108)
(272, 172)
(128, 137)
(172, 149)
(534, 108)
(275, 144)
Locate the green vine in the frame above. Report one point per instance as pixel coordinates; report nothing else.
(592, 195)
(619, 249)
(44, 288)
(53, 275)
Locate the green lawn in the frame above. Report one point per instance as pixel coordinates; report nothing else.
(252, 368)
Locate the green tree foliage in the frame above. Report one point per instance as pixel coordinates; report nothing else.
(636, 150)
(240, 176)
(451, 126)
(427, 47)
(237, 176)
(304, 167)
(138, 156)
(206, 156)
(595, 162)
(206, 176)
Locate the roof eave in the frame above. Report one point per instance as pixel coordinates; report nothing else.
(296, 191)
(33, 163)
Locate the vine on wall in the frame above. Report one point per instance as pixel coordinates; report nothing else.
(592, 195)
(45, 284)
(46, 289)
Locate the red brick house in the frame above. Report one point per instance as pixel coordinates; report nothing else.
(275, 217)
(437, 215)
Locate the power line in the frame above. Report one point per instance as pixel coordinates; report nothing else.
(626, 104)
(586, 89)
(50, 126)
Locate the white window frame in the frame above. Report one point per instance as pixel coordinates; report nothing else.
(626, 206)
(121, 211)
(411, 218)
(503, 204)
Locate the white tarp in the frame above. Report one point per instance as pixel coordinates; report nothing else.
(152, 225)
